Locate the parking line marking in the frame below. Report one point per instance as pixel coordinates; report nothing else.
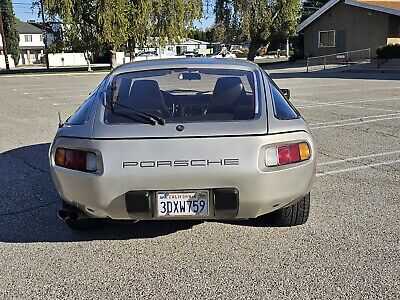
(355, 119)
(338, 161)
(351, 90)
(370, 108)
(358, 168)
(334, 103)
(83, 73)
(306, 86)
(354, 123)
(311, 102)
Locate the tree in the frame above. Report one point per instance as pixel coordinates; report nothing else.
(173, 18)
(139, 14)
(258, 20)
(227, 21)
(311, 6)
(115, 24)
(80, 18)
(11, 32)
(197, 34)
(91, 24)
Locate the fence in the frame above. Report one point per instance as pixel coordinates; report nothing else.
(67, 59)
(3, 61)
(339, 59)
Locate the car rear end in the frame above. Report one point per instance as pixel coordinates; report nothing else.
(213, 145)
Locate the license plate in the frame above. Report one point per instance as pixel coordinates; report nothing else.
(176, 204)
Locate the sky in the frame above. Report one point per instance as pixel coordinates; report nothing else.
(24, 12)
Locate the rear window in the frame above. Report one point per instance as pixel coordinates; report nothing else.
(182, 95)
(81, 115)
(283, 109)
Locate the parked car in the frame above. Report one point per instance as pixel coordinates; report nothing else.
(198, 138)
(147, 54)
(224, 54)
(235, 51)
(189, 54)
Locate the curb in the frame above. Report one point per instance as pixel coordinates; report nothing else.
(372, 71)
(41, 71)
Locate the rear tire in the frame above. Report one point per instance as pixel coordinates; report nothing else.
(80, 224)
(296, 214)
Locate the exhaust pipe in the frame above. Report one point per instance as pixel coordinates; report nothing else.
(63, 214)
(73, 214)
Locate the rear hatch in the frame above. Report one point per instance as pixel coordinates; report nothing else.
(182, 103)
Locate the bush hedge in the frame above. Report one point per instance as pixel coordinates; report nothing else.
(244, 53)
(389, 51)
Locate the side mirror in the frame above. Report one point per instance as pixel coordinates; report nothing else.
(286, 93)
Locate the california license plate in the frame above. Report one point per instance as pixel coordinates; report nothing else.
(177, 204)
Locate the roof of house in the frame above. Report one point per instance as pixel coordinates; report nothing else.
(48, 28)
(386, 6)
(26, 28)
(190, 41)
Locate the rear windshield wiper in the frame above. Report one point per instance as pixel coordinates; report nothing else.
(150, 118)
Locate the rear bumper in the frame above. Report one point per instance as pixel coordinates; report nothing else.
(223, 204)
(261, 190)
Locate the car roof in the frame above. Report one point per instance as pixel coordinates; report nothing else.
(198, 62)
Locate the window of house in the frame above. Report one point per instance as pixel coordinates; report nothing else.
(326, 38)
(28, 38)
(41, 38)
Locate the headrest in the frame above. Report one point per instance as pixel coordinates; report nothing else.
(146, 95)
(227, 91)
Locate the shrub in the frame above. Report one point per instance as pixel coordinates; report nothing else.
(281, 53)
(296, 55)
(242, 54)
(389, 51)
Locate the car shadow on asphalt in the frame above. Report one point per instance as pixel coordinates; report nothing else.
(262, 222)
(29, 204)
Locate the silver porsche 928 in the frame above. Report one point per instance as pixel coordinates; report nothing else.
(193, 138)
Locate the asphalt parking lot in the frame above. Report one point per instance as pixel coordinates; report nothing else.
(349, 249)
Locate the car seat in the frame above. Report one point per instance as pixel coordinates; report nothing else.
(229, 97)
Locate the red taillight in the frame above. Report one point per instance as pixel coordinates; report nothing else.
(287, 154)
(283, 155)
(294, 153)
(75, 159)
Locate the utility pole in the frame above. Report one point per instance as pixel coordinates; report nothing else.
(46, 50)
(287, 48)
(3, 38)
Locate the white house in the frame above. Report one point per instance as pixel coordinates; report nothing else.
(30, 43)
(32, 48)
(172, 49)
(186, 45)
(54, 30)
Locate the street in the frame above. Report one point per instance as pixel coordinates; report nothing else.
(349, 248)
